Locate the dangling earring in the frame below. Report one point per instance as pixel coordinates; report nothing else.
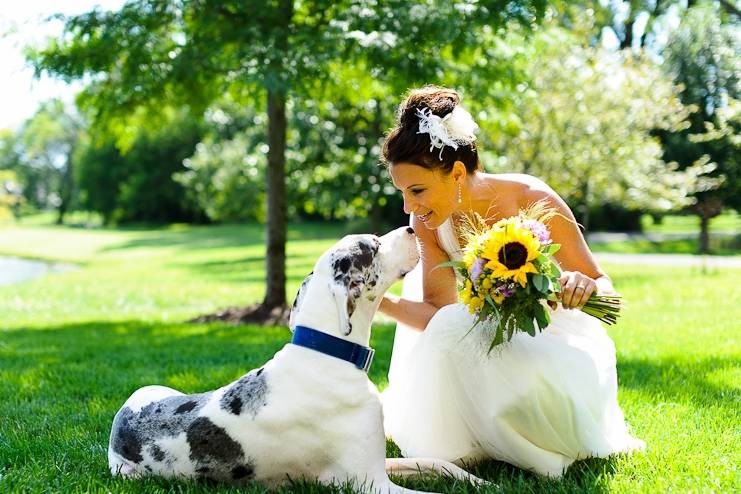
(460, 198)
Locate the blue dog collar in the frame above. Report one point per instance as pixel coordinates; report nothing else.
(358, 355)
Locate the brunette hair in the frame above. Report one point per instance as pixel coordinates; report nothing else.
(404, 143)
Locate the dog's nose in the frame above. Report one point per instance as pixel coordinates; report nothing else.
(410, 230)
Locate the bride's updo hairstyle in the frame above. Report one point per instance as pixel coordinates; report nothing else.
(405, 144)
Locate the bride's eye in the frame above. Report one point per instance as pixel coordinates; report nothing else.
(417, 191)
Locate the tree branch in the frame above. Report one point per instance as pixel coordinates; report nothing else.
(730, 8)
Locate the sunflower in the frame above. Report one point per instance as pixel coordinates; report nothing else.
(511, 251)
(472, 251)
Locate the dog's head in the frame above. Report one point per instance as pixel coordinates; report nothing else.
(356, 272)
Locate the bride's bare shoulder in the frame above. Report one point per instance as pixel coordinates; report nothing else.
(517, 187)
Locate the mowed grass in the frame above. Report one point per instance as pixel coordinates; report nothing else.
(684, 230)
(74, 345)
(719, 246)
(729, 221)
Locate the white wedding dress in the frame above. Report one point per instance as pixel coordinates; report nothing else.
(539, 403)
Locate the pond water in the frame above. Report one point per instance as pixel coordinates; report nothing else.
(16, 270)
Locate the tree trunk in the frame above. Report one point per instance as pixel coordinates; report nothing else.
(704, 234)
(707, 208)
(627, 40)
(65, 190)
(376, 217)
(275, 261)
(655, 13)
(731, 9)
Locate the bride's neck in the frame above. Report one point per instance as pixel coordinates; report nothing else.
(478, 196)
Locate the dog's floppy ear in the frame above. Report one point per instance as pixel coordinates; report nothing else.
(298, 300)
(352, 268)
(346, 292)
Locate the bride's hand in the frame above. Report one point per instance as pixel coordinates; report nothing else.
(576, 288)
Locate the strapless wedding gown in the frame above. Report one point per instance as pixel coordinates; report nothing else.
(539, 403)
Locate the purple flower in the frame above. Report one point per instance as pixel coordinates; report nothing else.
(476, 269)
(508, 291)
(505, 289)
(539, 230)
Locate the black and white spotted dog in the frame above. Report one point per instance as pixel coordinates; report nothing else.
(304, 414)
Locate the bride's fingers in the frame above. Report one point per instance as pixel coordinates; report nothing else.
(582, 292)
(568, 284)
(577, 289)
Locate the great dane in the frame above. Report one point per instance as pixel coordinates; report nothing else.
(310, 412)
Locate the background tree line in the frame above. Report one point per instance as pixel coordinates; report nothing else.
(240, 110)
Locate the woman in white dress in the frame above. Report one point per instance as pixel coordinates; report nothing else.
(539, 403)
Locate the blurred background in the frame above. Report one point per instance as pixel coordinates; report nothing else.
(162, 160)
(159, 111)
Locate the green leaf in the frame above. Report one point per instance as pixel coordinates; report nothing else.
(498, 337)
(541, 283)
(541, 316)
(451, 264)
(528, 325)
(552, 249)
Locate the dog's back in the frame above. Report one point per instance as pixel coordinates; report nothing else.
(163, 432)
(263, 426)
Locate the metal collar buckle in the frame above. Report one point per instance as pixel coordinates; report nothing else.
(368, 360)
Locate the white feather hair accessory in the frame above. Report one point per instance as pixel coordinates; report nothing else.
(457, 128)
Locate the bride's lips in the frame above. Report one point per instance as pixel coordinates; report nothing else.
(424, 217)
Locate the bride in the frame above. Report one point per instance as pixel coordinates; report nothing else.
(537, 402)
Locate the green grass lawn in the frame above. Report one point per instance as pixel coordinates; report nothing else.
(74, 345)
(725, 236)
(719, 246)
(729, 221)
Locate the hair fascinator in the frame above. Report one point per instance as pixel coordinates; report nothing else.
(457, 128)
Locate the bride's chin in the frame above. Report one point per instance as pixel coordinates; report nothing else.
(433, 221)
(433, 224)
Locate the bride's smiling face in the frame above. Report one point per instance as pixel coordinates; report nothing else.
(430, 195)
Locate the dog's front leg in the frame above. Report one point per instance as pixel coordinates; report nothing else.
(414, 466)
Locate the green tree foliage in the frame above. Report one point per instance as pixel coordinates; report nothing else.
(100, 170)
(704, 57)
(333, 156)
(11, 196)
(24, 178)
(225, 176)
(49, 139)
(583, 122)
(636, 24)
(137, 184)
(339, 141)
(192, 52)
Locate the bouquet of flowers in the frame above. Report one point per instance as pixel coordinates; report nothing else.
(509, 275)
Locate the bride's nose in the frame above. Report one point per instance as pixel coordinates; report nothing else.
(408, 204)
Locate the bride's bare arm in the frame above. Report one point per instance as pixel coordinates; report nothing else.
(580, 268)
(438, 285)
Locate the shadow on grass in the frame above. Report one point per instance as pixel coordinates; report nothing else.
(61, 386)
(250, 269)
(223, 236)
(194, 237)
(682, 379)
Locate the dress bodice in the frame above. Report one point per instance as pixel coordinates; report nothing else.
(448, 240)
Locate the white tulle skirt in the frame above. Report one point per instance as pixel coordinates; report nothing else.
(539, 403)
